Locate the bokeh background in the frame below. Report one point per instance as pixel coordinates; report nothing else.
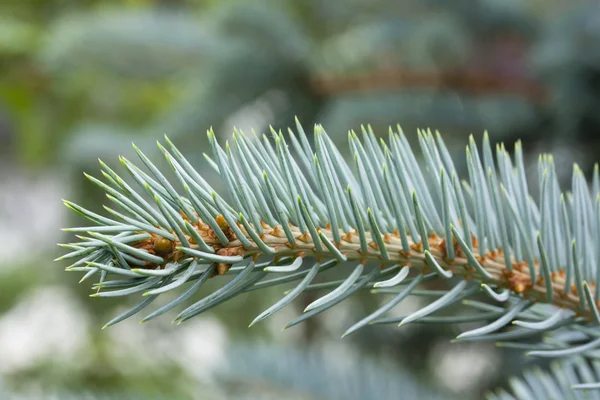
(82, 79)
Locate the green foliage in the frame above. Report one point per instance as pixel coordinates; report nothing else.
(15, 284)
(147, 83)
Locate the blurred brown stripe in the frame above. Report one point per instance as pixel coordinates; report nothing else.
(471, 82)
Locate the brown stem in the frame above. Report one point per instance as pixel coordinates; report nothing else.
(517, 279)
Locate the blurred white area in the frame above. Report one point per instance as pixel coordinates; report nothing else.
(198, 346)
(31, 213)
(48, 325)
(256, 115)
(464, 367)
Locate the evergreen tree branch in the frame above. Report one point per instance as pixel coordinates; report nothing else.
(558, 383)
(384, 211)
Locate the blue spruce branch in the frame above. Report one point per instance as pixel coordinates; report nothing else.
(388, 220)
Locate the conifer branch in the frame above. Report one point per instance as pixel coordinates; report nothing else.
(558, 383)
(401, 221)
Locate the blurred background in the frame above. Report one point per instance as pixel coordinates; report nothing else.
(80, 80)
